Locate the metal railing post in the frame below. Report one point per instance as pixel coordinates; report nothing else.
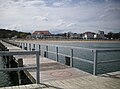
(9, 59)
(30, 46)
(26, 46)
(47, 51)
(95, 63)
(39, 49)
(33, 47)
(23, 45)
(57, 54)
(38, 68)
(71, 57)
(19, 44)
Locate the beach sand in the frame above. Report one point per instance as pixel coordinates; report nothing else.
(69, 41)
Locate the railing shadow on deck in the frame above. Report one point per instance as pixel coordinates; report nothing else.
(111, 75)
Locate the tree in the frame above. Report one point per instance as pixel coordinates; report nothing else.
(110, 35)
(12, 33)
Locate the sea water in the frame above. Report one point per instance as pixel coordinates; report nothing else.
(4, 76)
(84, 54)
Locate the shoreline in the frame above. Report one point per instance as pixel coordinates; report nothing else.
(70, 41)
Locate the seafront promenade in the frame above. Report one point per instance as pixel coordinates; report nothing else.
(54, 75)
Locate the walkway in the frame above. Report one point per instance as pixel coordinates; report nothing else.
(58, 76)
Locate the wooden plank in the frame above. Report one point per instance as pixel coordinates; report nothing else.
(22, 87)
(2, 88)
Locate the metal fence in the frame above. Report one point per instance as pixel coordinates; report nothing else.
(93, 57)
(37, 67)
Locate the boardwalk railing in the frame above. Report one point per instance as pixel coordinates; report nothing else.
(94, 57)
(37, 67)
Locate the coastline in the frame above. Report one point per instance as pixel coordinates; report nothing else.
(68, 41)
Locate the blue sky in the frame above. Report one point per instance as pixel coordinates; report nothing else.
(59, 16)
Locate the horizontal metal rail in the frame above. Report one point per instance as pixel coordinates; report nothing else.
(52, 45)
(84, 60)
(37, 67)
(108, 50)
(81, 59)
(109, 61)
(18, 53)
(19, 68)
(71, 55)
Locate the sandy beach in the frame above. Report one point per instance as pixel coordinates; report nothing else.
(69, 41)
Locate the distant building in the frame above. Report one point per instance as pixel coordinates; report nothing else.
(101, 34)
(40, 34)
(96, 36)
(88, 35)
(71, 35)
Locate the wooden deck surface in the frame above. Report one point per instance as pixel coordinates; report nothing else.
(58, 76)
(86, 82)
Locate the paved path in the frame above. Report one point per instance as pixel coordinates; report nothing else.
(58, 76)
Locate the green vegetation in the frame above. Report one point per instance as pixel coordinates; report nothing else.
(111, 35)
(12, 33)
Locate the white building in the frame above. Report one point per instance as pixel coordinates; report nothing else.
(40, 34)
(88, 35)
(99, 35)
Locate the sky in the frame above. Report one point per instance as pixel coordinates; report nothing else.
(60, 16)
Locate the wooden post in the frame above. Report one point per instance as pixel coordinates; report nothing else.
(95, 63)
(20, 64)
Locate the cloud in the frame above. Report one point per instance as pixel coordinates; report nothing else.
(110, 13)
(64, 24)
(81, 15)
(62, 3)
(58, 4)
(13, 27)
(113, 9)
(36, 3)
(40, 18)
(60, 23)
(71, 24)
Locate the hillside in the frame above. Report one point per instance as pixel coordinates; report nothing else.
(12, 33)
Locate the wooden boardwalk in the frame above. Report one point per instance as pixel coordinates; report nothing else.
(86, 82)
(58, 76)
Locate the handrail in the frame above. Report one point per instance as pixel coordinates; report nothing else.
(18, 53)
(110, 50)
(58, 46)
(37, 67)
(18, 68)
(81, 59)
(109, 61)
(95, 52)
